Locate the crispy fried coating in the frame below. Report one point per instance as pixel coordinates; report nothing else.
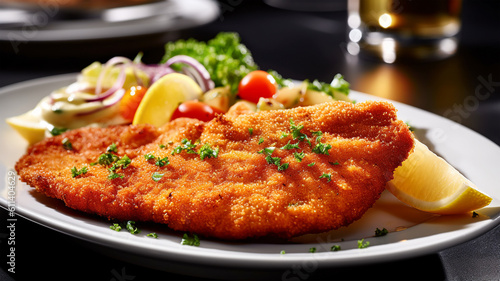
(331, 178)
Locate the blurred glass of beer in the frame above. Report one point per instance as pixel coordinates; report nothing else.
(393, 29)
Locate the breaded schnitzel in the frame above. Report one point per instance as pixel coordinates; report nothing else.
(281, 173)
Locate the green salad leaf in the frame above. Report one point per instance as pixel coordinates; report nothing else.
(282, 82)
(228, 61)
(225, 57)
(339, 84)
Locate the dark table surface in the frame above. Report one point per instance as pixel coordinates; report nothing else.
(299, 45)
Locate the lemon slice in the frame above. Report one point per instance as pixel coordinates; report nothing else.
(29, 126)
(427, 182)
(163, 97)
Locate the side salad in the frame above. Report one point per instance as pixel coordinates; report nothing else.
(222, 70)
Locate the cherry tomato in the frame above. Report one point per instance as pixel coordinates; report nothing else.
(197, 110)
(130, 102)
(257, 84)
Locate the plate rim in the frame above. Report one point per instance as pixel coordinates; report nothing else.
(247, 260)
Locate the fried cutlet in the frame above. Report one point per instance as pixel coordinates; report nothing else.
(277, 173)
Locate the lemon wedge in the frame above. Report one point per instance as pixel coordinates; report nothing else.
(29, 126)
(163, 97)
(427, 182)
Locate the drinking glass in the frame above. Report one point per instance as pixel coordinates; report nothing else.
(394, 29)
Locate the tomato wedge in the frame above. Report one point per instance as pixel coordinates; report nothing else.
(197, 110)
(130, 102)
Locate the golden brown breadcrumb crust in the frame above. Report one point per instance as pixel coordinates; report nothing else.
(239, 193)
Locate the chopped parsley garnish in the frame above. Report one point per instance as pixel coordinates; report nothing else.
(297, 134)
(273, 160)
(67, 144)
(162, 162)
(267, 151)
(116, 227)
(208, 152)
(120, 163)
(381, 232)
(282, 252)
(152, 234)
(107, 159)
(130, 226)
(312, 250)
(159, 161)
(289, 146)
(317, 134)
(149, 156)
(311, 164)
(335, 248)
(113, 161)
(334, 163)
(157, 176)
(57, 131)
(277, 161)
(299, 156)
(75, 172)
(250, 131)
(162, 146)
(112, 148)
(190, 241)
(362, 244)
(410, 127)
(320, 148)
(114, 175)
(186, 146)
(261, 140)
(282, 167)
(326, 176)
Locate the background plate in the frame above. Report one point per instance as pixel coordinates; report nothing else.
(412, 233)
(53, 24)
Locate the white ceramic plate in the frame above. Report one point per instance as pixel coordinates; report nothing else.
(47, 25)
(412, 233)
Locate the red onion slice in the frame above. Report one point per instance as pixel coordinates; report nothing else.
(116, 98)
(195, 70)
(116, 86)
(112, 62)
